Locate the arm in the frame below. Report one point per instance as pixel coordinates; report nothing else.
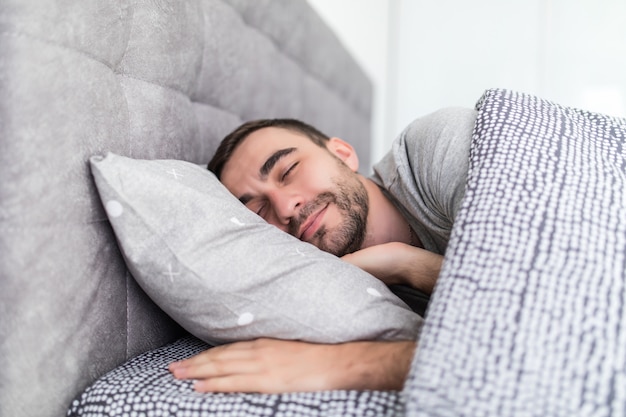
(274, 366)
(399, 263)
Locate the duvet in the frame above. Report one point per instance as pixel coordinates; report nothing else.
(528, 317)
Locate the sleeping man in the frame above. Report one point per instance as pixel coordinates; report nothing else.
(395, 225)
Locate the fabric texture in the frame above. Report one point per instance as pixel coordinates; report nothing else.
(425, 172)
(160, 79)
(528, 316)
(144, 386)
(225, 274)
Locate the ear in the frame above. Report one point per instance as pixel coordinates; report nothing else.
(344, 151)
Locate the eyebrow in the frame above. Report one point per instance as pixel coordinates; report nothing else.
(272, 160)
(267, 167)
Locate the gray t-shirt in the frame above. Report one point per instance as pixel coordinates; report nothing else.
(424, 174)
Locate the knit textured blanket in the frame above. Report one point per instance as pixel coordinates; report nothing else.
(528, 317)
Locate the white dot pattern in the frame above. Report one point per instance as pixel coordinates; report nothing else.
(144, 387)
(374, 292)
(528, 317)
(114, 208)
(245, 318)
(236, 221)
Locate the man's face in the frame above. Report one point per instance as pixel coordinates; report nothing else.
(300, 187)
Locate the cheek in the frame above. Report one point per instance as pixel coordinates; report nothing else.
(315, 180)
(333, 217)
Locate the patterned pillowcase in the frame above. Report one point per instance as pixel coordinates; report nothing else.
(144, 386)
(225, 274)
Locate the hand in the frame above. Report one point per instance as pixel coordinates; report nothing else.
(399, 263)
(275, 366)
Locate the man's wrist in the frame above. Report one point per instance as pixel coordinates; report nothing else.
(375, 365)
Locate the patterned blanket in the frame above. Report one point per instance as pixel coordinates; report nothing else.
(529, 315)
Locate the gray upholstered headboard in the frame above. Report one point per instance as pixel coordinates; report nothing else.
(147, 79)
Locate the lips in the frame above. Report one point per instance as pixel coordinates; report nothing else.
(312, 224)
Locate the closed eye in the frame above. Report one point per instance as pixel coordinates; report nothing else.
(289, 171)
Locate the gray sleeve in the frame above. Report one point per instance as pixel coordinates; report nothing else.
(438, 147)
(426, 171)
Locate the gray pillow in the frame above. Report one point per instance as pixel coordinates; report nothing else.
(224, 274)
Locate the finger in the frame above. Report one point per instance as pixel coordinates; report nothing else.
(217, 368)
(229, 351)
(239, 383)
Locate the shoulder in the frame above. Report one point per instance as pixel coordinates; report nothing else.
(439, 130)
(436, 143)
(428, 139)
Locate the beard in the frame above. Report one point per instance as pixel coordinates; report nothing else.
(350, 197)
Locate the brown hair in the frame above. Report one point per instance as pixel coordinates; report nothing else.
(235, 138)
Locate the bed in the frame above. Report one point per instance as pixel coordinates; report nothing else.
(527, 317)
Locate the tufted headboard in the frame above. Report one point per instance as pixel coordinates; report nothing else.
(142, 78)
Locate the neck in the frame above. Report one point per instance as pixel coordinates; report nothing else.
(385, 223)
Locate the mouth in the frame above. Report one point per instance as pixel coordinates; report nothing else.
(312, 224)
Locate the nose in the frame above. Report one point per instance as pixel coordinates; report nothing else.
(285, 206)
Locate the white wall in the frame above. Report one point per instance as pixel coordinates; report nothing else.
(423, 55)
(362, 26)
